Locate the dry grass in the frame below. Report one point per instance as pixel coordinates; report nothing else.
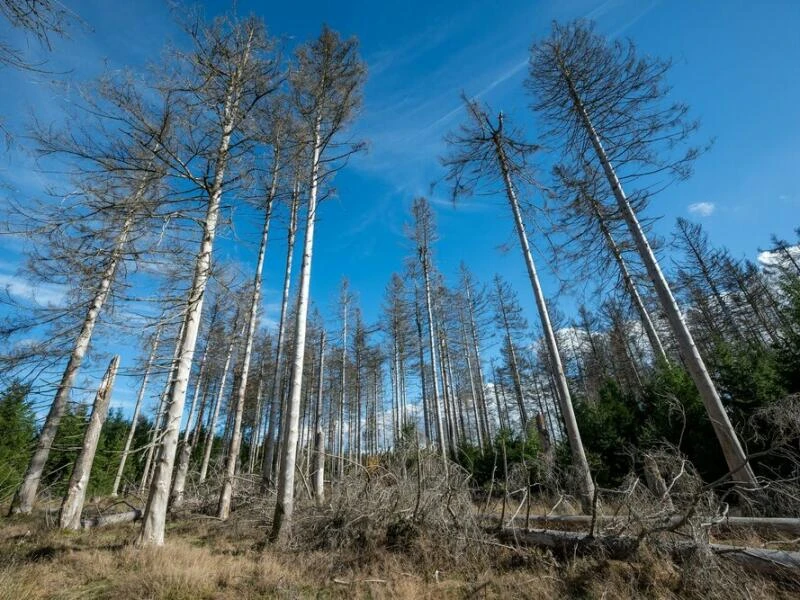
(205, 558)
(402, 530)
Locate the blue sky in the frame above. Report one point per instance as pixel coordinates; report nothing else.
(736, 65)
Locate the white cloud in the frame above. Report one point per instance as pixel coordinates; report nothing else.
(769, 258)
(48, 294)
(702, 209)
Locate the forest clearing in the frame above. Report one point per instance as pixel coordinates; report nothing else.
(509, 377)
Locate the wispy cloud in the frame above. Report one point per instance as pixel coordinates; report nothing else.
(51, 294)
(702, 209)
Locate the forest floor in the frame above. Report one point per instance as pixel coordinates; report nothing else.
(207, 558)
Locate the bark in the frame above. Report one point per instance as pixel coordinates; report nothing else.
(255, 436)
(72, 505)
(343, 399)
(159, 417)
(734, 454)
(113, 519)
(573, 434)
(136, 410)
(319, 440)
(432, 344)
(473, 391)
(26, 494)
(179, 480)
(479, 366)
(513, 365)
(224, 506)
(421, 347)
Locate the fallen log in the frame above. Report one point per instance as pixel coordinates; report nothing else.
(782, 524)
(112, 519)
(569, 543)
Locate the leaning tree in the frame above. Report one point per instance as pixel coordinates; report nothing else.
(607, 107)
(486, 153)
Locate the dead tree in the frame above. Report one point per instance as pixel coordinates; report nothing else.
(231, 72)
(326, 86)
(484, 152)
(606, 106)
(72, 505)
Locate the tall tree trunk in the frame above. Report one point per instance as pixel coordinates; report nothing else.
(479, 367)
(284, 505)
(277, 395)
(421, 346)
(26, 494)
(72, 505)
(319, 440)
(179, 480)
(212, 424)
(576, 444)
(731, 448)
(155, 437)
(136, 410)
(473, 391)
(627, 280)
(440, 432)
(224, 506)
(343, 399)
(255, 435)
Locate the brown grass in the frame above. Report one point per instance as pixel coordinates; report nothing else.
(205, 558)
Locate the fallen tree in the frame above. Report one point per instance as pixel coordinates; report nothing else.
(783, 525)
(112, 519)
(566, 544)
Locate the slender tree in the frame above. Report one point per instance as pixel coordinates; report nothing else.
(326, 86)
(607, 107)
(484, 152)
(72, 505)
(423, 234)
(136, 410)
(228, 72)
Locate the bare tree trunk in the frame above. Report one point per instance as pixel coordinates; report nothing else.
(479, 367)
(421, 345)
(154, 444)
(212, 424)
(644, 315)
(473, 391)
(154, 521)
(136, 410)
(276, 398)
(284, 505)
(343, 399)
(26, 494)
(255, 436)
(734, 454)
(435, 377)
(576, 444)
(224, 506)
(72, 505)
(319, 440)
(179, 480)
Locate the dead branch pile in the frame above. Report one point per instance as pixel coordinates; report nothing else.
(396, 505)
